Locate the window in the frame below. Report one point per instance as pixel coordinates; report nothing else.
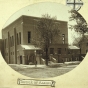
(12, 41)
(20, 59)
(65, 49)
(19, 37)
(51, 50)
(63, 38)
(63, 35)
(29, 36)
(5, 42)
(59, 50)
(17, 40)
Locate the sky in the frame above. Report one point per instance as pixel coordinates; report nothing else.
(53, 9)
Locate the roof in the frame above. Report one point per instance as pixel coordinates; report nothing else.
(23, 16)
(73, 47)
(30, 47)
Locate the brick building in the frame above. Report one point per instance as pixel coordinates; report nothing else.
(18, 45)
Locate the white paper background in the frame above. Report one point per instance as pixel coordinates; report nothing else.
(77, 78)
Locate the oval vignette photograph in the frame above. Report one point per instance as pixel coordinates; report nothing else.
(44, 40)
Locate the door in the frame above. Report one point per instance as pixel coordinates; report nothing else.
(20, 59)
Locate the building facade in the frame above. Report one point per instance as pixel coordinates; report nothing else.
(83, 44)
(19, 48)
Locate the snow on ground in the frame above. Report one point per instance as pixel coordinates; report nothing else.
(43, 71)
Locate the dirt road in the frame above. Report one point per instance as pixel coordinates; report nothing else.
(42, 71)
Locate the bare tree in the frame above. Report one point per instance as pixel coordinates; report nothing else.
(47, 30)
(81, 25)
(76, 40)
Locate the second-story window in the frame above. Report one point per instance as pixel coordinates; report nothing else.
(5, 43)
(19, 37)
(63, 38)
(29, 36)
(12, 41)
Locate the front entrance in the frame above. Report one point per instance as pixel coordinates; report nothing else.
(20, 59)
(60, 59)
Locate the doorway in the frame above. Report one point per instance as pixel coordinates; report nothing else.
(20, 59)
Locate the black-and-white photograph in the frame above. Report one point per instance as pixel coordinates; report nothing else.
(44, 40)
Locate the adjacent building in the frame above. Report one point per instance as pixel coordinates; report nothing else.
(83, 45)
